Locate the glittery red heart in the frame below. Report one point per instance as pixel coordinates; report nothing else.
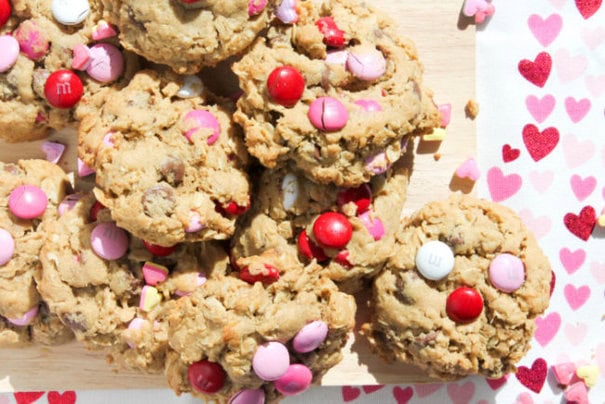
(68, 397)
(350, 393)
(371, 389)
(581, 225)
(540, 144)
(588, 7)
(536, 72)
(27, 397)
(535, 377)
(509, 154)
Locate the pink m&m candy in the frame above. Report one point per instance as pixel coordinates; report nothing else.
(68, 203)
(373, 224)
(286, 12)
(26, 319)
(106, 63)
(32, 40)
(296, 380)
(10, 52)
(328, 114)
(310, 337)
(271, 361)
(248, 396)
(7, 246)
(507, 272)
(256, 7)
(108, 241)
(366, 63)
(200, 119)
(27, 202)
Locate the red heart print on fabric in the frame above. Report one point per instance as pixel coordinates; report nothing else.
(68, 397)
(372, 389)
(350, 393)
(545, 30)
(533, 378)
(539, 144)
(495, 384)
(583, 224)
(588, 7)
(538, 70)
(509, 154)
(402, 396)
(28, 397)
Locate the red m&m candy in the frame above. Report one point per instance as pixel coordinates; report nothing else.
(361, 196)
(206, 376)
(270, 275)
(464, 305)
(309, 249)
(333, 36)
(332, 230)
(158, 250)
(63, 89)
(233, 209)
(5, 12)
(285, 85)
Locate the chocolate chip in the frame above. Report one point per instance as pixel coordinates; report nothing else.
(159, 200)
(172, 170)
(72, 320)
(400, 293)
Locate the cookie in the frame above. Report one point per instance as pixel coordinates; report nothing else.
(51, 61)
(169, 166)
(186, 34)
(462, 291)
(30, 192)
(110, 288)
(288, 210)
(336, 92)
(232, 338)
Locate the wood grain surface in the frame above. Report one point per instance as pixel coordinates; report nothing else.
(446, 46)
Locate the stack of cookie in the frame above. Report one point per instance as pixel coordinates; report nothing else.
(229, 230)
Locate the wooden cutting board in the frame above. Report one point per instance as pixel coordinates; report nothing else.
(446, 45)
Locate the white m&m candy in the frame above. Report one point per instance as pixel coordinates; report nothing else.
(70, 12)
(435, 260)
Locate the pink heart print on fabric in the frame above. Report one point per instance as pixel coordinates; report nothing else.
(572, 260)
(569, 67)
(582, 187)
(577, 109)
(545, 30)
(576, 296)
(547, 327)
(540, 108)
(461, 393)
(576, 151)
(502, 187)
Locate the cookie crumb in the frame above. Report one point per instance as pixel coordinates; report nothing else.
(437, 156)
(471, 109)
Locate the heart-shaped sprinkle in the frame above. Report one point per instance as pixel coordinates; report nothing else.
(469, 169)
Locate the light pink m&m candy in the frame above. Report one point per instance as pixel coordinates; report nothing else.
(7, 246)
(10, 52)
(68, 203)
(248, 396)
(200, 119)
(328, 114)
(369, 105)
(296, 380)
(366, 63)
(373, 224)
(26, 319)
(286, 12)
(310, 337)
(108, 241)
(27, 202)
(507, 272)
(106, 63)
(271, 361)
